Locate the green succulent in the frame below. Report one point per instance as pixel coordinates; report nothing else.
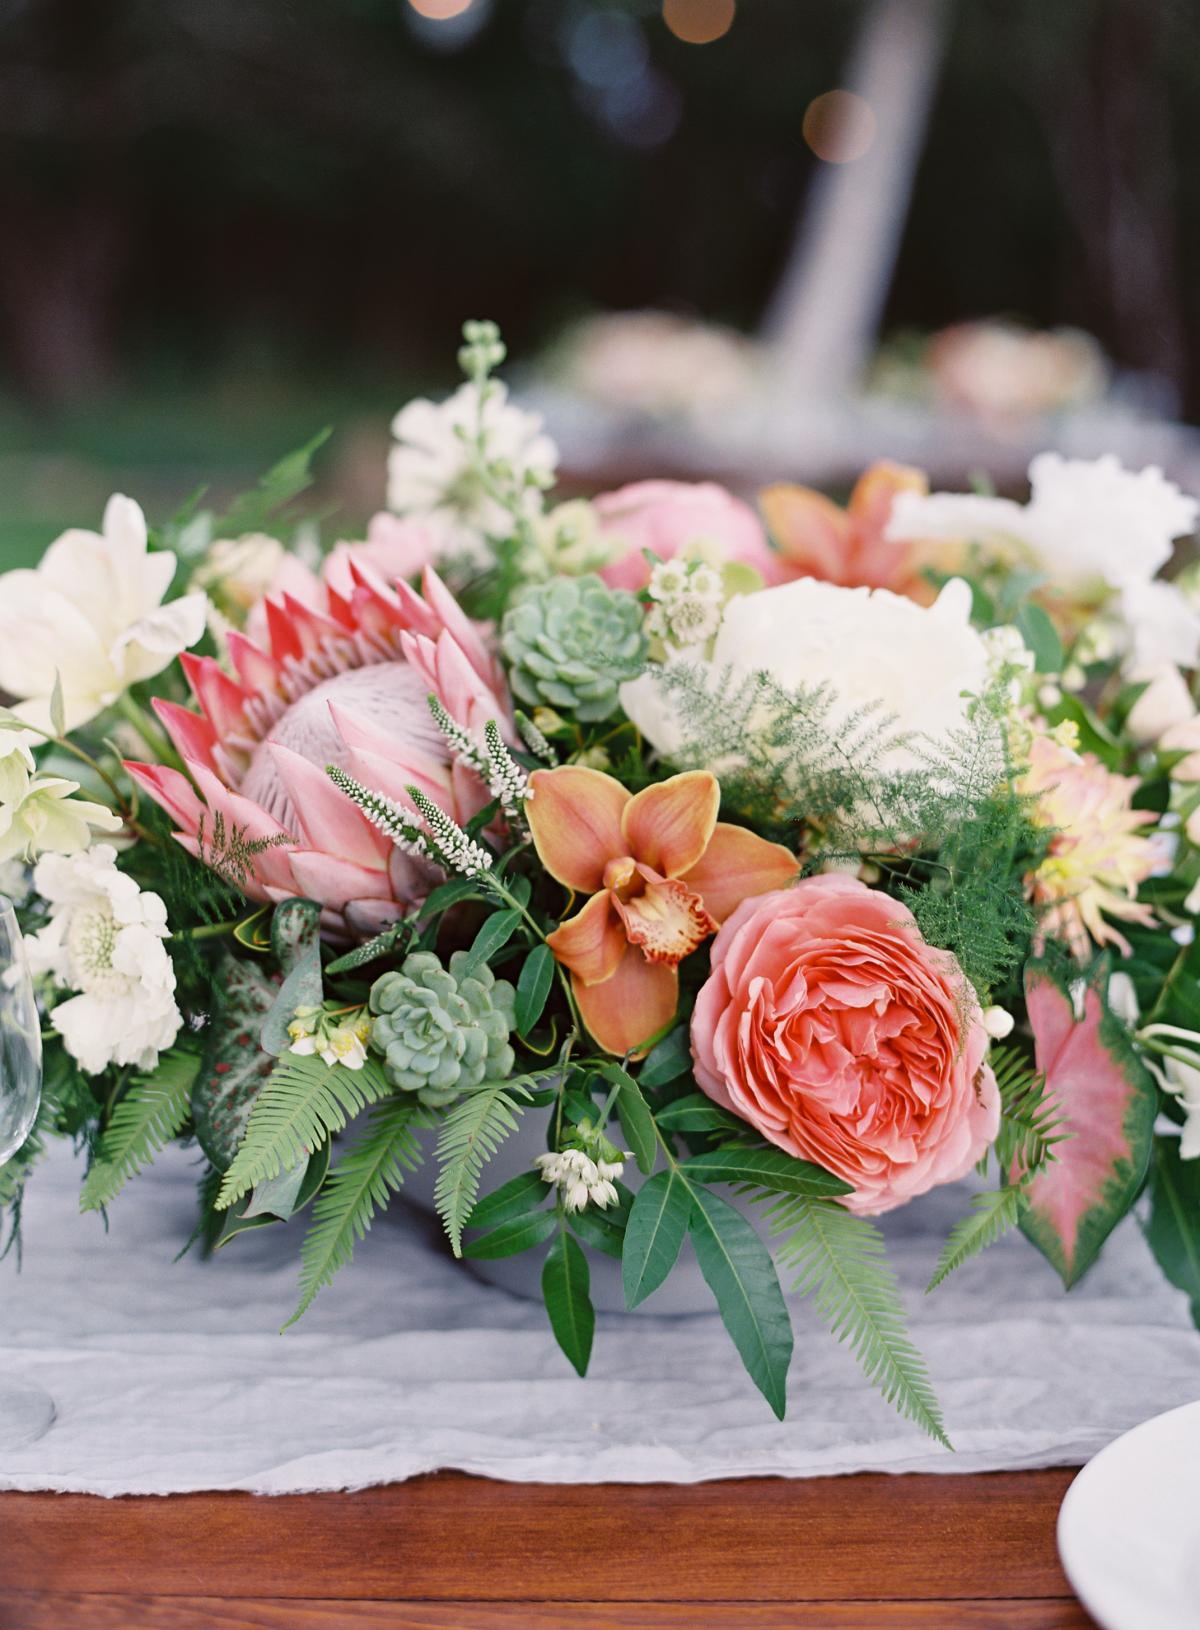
(442, 1031)
(571, 643)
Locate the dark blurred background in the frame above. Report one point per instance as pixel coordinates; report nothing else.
(224, 223)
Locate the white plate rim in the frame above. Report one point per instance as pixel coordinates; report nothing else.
(1080, 1578)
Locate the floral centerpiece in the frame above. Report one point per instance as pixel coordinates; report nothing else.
(819, 862)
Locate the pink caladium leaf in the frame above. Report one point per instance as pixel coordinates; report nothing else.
(1105, 1100)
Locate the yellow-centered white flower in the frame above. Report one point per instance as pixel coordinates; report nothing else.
(104, 941)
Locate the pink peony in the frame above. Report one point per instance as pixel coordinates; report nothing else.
(679, 518)
(839, 1034)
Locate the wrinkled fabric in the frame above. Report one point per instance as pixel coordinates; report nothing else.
(170, 1378)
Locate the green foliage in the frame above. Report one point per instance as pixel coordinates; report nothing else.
(1173, 1226)
(512, 1237)
(470, 1135)
(147, 1117)
(362, 1183)
(654, 1235)
(637, 1122)
(840, 1261)
(766, 1168)
(992, 1214)
(235, 1066)
(1030, 1122)
(667, 1060)
(738, 1269)
(566, 1291)
(521, 1194)
(696, 1112)
(533, 988)
(303, 1102)
(287, 479)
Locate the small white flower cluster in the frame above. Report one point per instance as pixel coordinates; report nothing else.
(450, 845)
(104, 941)
(383, 813)
(1008, 657)
(468, 465)
(534, 739)
(688, 597)
(337, 1035)
(580, 1179)
(507, 781)
(442, 840)
(492, 763)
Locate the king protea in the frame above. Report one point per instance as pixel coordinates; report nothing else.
(342, 676)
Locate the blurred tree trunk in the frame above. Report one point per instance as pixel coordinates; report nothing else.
(823, 319)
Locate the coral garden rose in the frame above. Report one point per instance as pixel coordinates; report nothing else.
(832, 1027)
(696, 519)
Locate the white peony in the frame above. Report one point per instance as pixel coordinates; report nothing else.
(432, 475)
(1162, 627)
(916, 664)
(104, 940)
(92, 612)
(1088, 522)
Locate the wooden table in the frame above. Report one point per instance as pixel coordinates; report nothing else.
(450, 1552)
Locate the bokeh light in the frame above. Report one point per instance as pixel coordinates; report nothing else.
(840, 126)
(699, 22)
(439, 11)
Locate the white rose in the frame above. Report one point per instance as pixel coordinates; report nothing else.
(1088, 522)
(1163, 626)
(917, 665)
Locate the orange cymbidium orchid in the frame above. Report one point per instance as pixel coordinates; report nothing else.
(818, 538)
(662, 872)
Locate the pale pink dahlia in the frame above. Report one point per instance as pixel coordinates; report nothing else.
(1097, 855)
(342, 677)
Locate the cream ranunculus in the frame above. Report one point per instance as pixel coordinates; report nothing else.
(104, 941)
(916, 664)
(39, 814)
(92, 613)
(1089, 523)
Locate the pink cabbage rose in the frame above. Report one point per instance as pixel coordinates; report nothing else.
(839, 1034)
(679, 518)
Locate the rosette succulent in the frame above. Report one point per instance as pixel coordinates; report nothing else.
(442, 1031)
(571, 643)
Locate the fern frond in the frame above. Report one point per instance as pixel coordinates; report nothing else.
(470, 1135)
(1030, 1123)
(840, 1261)
(362, 1183)
(992, 1214)
(303, 1102)
(145, 1120)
